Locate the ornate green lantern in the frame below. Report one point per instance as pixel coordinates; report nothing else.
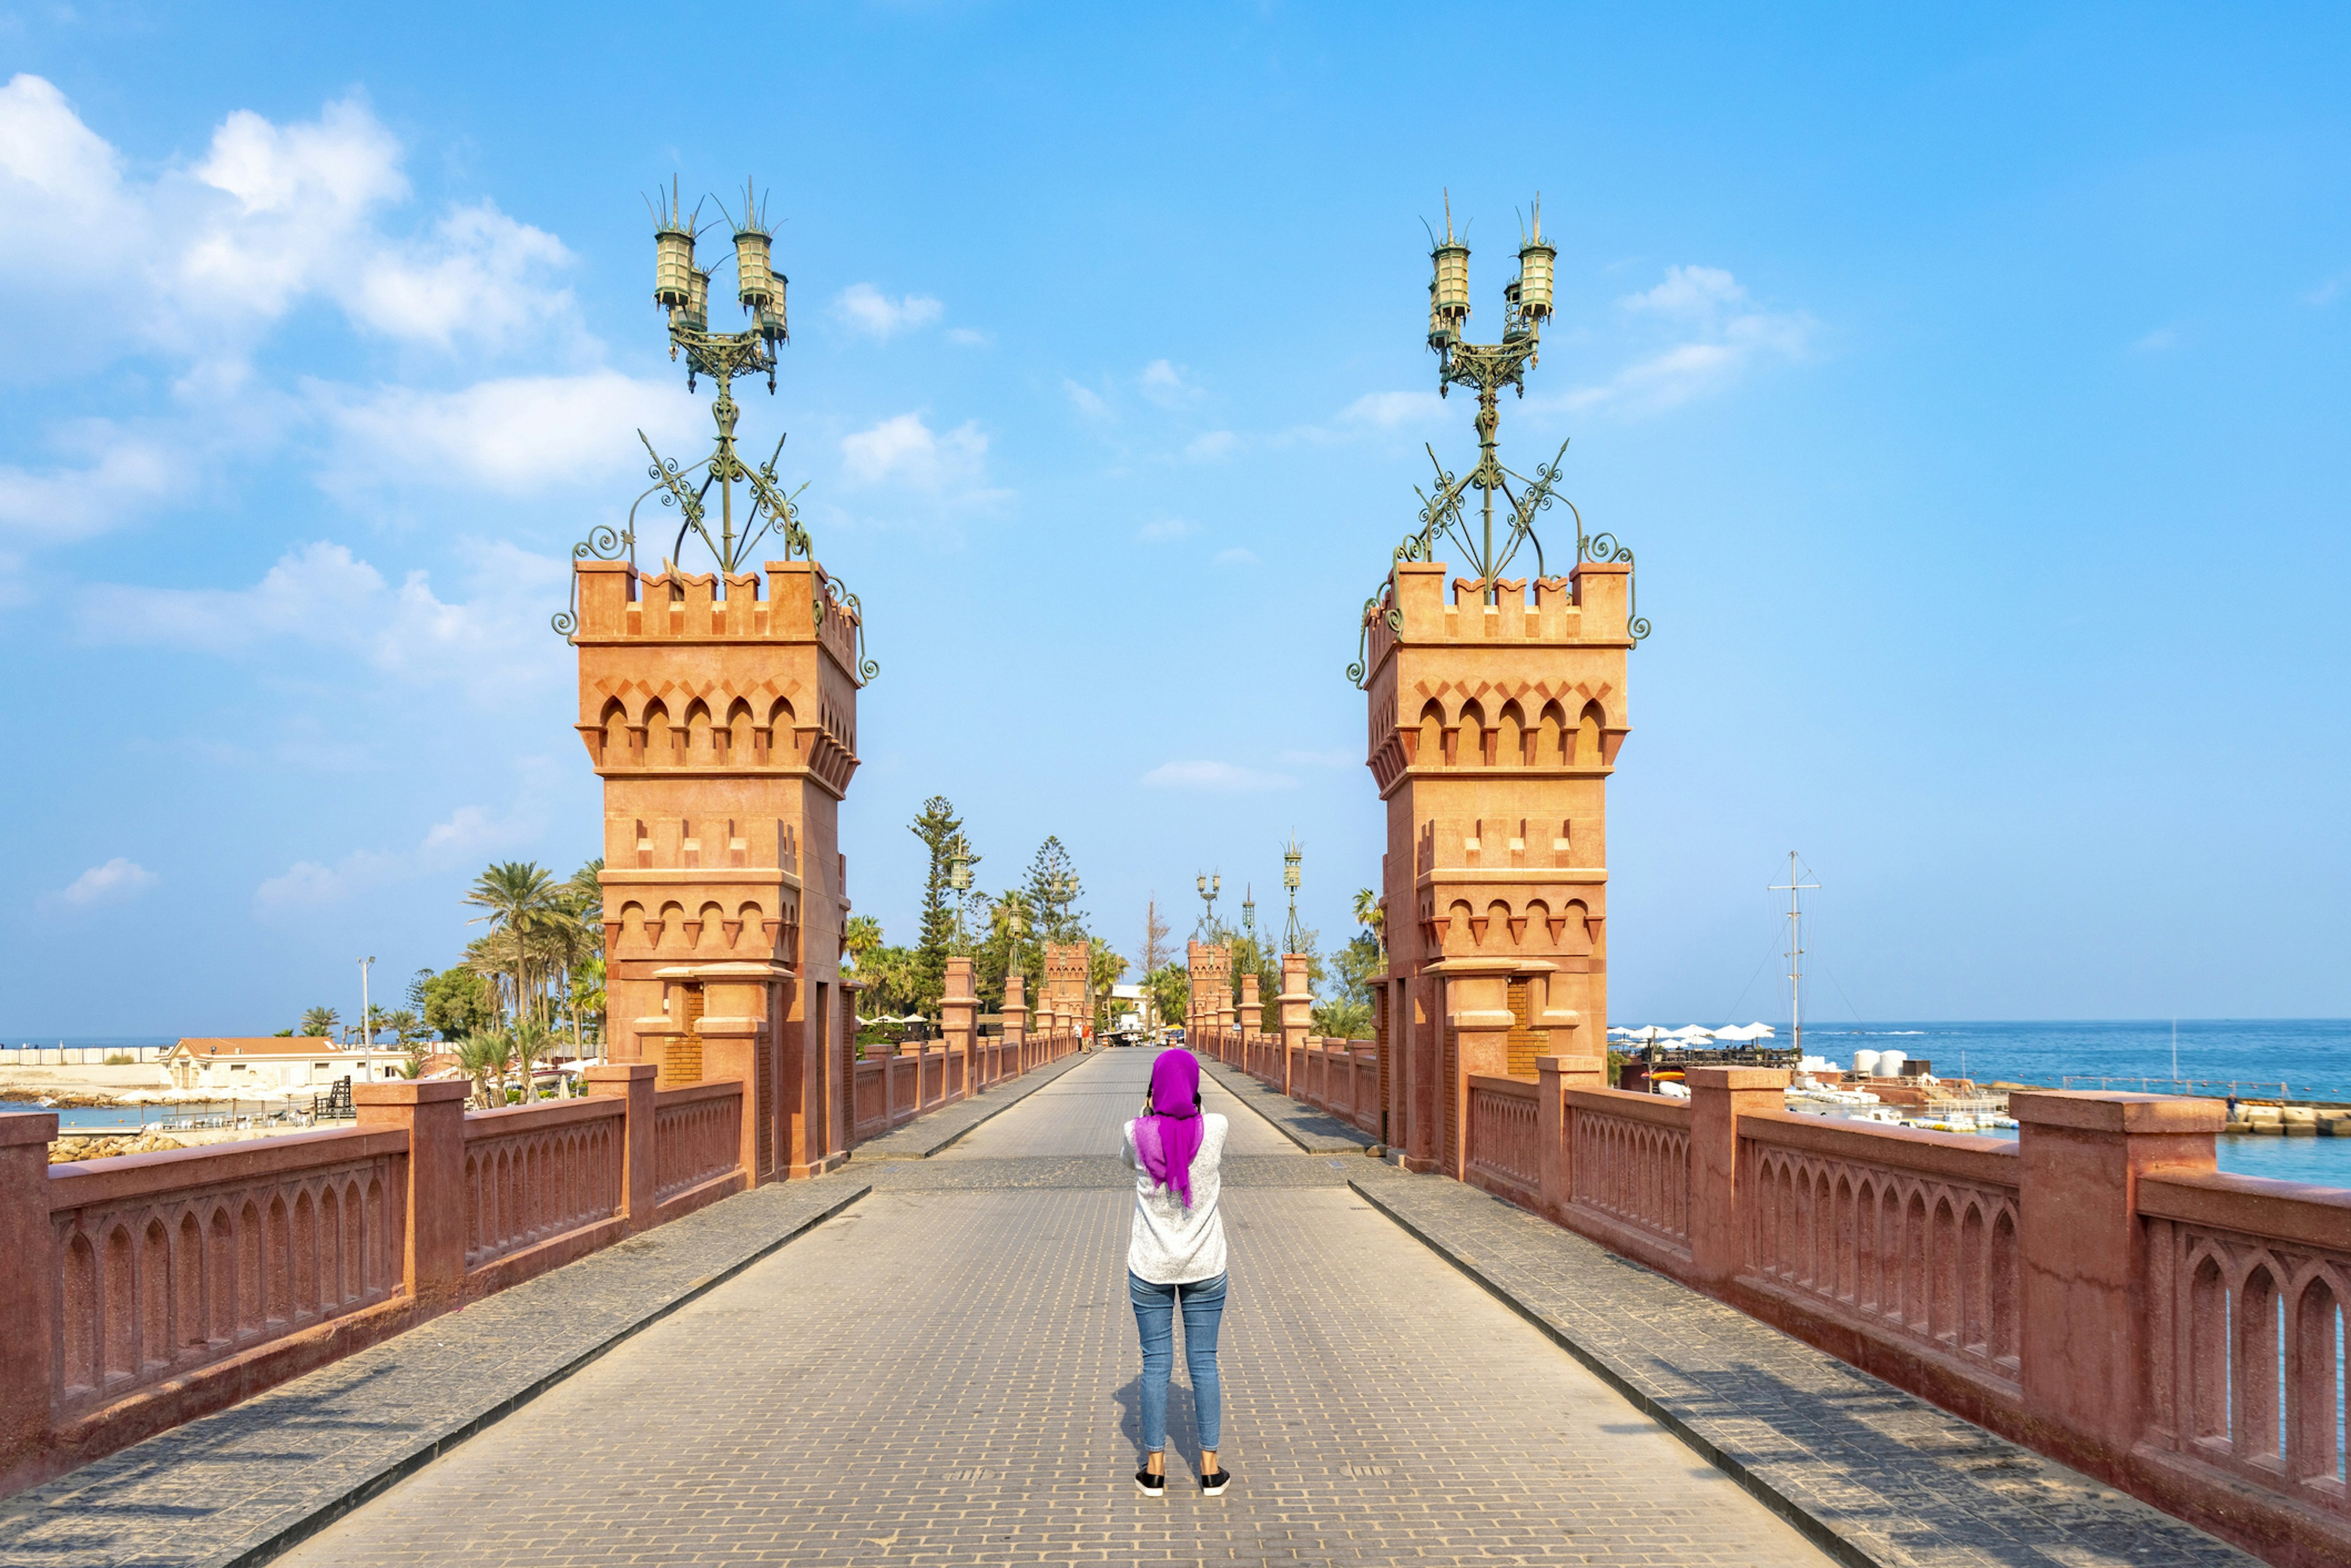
(673, 267)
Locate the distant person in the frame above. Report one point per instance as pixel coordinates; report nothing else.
(2232, 1104)
(1175, 1255)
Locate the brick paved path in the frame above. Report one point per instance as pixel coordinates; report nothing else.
(946, 1374)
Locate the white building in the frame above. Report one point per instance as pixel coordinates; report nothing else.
(274, 1064)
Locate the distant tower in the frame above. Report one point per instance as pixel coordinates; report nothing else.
(1211, 967)
(1065, 976)
(1494, 729)
(725, 728)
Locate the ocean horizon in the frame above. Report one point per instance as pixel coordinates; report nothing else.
(2287, 1058)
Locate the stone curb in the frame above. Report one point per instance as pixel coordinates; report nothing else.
(885, 1147)
(317, 1516)
(2055, 1513)
(1814, 1529)
(1311, 1130)
(155, 1479)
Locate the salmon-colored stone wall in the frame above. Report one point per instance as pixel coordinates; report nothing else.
(723, 721)
(1493, 731)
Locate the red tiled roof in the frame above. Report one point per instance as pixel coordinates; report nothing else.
(246, 1045)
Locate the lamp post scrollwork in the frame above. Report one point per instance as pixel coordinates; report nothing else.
(1486, 368)
(681, 288)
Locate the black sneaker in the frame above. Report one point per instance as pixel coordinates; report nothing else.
(1213, 1485)
(1150, 1485)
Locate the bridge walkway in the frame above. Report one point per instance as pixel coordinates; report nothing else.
(946, 1373)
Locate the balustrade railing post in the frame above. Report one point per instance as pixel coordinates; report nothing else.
(1016, 1024)
(633, 1082)
(1297, 1013)
(2082, 1313)
(26, 1283)
(433, 1115)
(1718, 1097)
(958, 1011)
(1551, 1137)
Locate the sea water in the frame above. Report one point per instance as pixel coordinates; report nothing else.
(2298, 1059)
(2267, 1058)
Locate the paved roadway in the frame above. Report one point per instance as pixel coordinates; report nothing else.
(946, 1374)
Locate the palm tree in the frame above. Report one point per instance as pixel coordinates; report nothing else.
(318, 1023)
(516, 892)
(500, 1059)
(479, 1055)
(530, 1042)
(861, 936)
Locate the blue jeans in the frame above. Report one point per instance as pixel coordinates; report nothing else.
(1154, 1315)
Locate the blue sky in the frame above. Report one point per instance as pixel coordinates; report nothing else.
(1971, 388)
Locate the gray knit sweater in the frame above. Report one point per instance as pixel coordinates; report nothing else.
(1173, 1245)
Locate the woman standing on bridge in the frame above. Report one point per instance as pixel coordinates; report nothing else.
(1176, 1255)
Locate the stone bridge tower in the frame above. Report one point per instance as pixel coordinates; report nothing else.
(1065, 979)
(724, 723)
(1211, 969)
(1494, 729)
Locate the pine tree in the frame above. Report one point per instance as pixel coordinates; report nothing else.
(1053, 893)
(941, 830)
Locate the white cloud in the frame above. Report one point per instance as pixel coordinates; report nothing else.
(1085, 400)
(118, 881)
(483, 276)
(1163, 383)
(45, 145)
(494, 646)
(1219, 778)
(1235, 556)
(1689, 291)
(1214, 447)
(307, 885)
(2159, 340)
(870, 310)
(126, 475)
(470, 832)
(1720, 336)
(903, 450)
(1162, 529)
(196, 264)
(969, 337)
(1389, 409)
(465, 835)
(515, 436)
(2329, 291)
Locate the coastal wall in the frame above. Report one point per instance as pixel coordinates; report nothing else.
(2096, 1290)
(146, 1290)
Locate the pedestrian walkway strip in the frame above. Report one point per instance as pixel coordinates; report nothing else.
(242, 1486)
(1302, 1124)
(1091, 1171)
(932, 1131)
(1874, 1476)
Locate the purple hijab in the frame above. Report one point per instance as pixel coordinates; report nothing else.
(1168, 1135)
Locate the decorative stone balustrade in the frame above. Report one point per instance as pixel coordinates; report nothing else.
(2097, 1290)
(146, 1290)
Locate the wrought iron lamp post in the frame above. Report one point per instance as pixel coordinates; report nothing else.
(1211, 885)
(1486, 368)
(1290, 858)
(681, 288)
(959, 879)
(1248, 914)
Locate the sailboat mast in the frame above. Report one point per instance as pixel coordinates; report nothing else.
(1795, 959)
(1795, 955)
